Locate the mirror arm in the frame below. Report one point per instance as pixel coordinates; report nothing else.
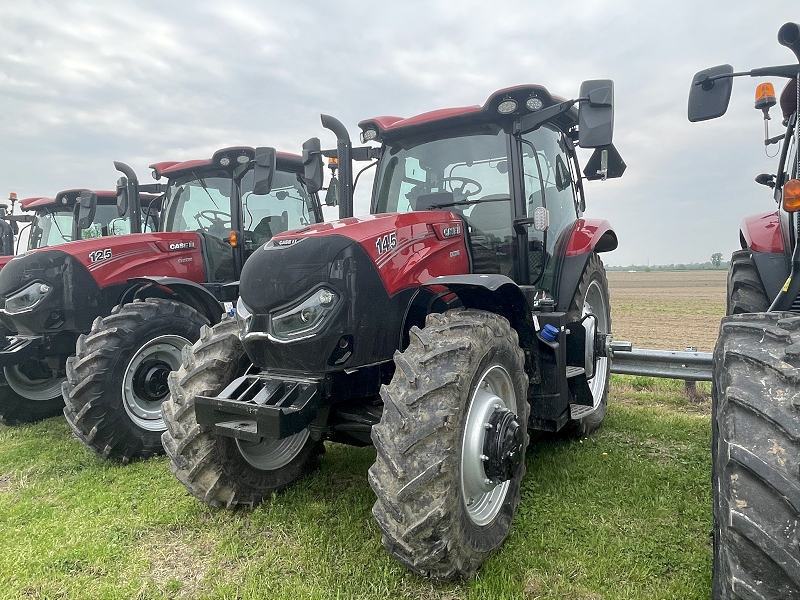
(787, 71)
(532, 121)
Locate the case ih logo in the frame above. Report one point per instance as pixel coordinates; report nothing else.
(181, 245)
(286, 242)
(451, 231)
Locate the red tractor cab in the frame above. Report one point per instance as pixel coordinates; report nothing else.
(468, 307)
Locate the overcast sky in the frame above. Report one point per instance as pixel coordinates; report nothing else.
(86, 83)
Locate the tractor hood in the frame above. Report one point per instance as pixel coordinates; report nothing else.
(367, 269)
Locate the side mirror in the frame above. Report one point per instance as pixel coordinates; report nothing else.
(264, 170)
(596, 113)
(87, 207)
(708, 99)
(332, 195)
(313, 168)
(122, 196)
(605, 163)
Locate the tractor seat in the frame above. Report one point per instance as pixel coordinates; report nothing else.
(491, 218)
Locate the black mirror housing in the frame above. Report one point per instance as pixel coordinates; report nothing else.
(332, 195)
(122, 196)
(709, 99)
(266, 161)
(87, 207)
(596, 113)
(313, 168)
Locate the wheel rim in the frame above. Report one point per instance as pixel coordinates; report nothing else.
(595, 303)
(482, 498)
(37, 390)
(144, 386)
(269, 455)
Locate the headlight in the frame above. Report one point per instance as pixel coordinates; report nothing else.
(244, 318)
(28, 298)
(305, 318)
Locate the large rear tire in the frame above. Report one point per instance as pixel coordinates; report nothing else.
(31, 391)
(592, 297)
(218, 470)
(745, 290)
(117, 380)
(756, 457)
(441, 507)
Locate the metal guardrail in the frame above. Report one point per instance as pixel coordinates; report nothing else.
(688, 366)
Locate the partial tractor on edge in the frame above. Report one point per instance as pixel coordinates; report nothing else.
(756, 380)
(470, 306)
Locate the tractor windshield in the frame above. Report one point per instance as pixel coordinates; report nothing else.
(200, 202)
(50, 228)
(467, 175)
(287, 206)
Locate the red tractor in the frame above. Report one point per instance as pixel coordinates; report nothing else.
(54, 221)
(470, 306)
(29, 386)
(756, 383)
(132, 302)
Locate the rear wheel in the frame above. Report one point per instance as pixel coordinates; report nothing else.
(592, 297)
(31, 391)
(451, 444)
(117, 380)
(756, 457)
(745, 293)
(218, 470)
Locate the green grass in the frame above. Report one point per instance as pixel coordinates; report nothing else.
(624, 514)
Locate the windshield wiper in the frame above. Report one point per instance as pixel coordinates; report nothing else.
(205, 189)
(467, 202)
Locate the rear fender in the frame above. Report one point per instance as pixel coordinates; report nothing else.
(175, 288)
(762, 233)
(588, 235)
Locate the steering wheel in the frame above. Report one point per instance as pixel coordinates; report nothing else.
(465, 181)
(215, 217)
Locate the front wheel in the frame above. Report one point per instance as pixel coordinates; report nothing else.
(117, 380)
(451, 444)
(756, 457)
(31, 391)
(219, 470)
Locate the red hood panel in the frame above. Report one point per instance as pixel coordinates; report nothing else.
(112, 260)
(408, 249)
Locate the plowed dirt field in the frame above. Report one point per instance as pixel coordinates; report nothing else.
(667, 310)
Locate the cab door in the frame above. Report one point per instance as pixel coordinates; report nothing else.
(549, 186)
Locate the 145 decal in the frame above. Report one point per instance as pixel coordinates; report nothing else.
(99, 255)
(386, 243)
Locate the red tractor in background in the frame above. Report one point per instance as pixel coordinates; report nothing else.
(125, 306)
(470, 306)
(756, 380)
(30, 387)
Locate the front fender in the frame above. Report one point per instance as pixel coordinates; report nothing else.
(183, 290)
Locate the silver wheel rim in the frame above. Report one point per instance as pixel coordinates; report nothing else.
(269, 455)
(482, 498)
(143, 412)
(595, 303)
(36, 390)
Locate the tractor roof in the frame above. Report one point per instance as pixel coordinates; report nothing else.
(398, 127)
(285, 162)
(69, 197)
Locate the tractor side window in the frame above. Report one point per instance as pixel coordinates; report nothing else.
(549, 183)
(50, 229)
(287, 206)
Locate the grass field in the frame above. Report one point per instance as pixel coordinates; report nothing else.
(624, 514)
